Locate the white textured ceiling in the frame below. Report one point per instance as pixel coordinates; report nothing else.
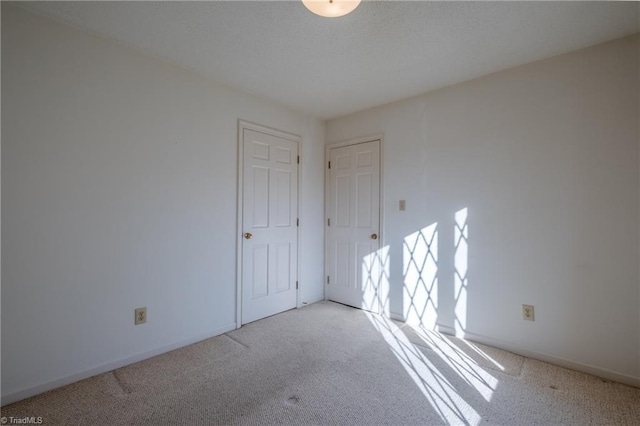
(382, 52)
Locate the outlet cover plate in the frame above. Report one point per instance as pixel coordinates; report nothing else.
(140, 315)
(528, 313)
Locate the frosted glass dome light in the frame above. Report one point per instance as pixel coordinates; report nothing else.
(331, 8)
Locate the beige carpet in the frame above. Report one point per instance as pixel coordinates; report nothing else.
(330, 364)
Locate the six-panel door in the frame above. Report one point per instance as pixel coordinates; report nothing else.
(270, 233)
(354, 220)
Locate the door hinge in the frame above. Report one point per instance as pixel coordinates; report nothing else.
(328, 280)
(298, 159)
(296, 285)
(328, 222)
(298, 222)
(329, 164)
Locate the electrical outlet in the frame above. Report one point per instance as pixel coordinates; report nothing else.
(141, 315)
(528, 313)
(402, 205)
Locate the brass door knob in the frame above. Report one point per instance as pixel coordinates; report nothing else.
(374, 236)
(248, 235)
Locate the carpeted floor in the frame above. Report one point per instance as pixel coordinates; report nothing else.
(330, 364)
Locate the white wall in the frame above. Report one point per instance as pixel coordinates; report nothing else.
(119, 191)
(545, 159)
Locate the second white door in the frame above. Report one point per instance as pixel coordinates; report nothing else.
(353, 223)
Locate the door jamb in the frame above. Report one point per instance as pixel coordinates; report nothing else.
(327, 184)
(242, 125)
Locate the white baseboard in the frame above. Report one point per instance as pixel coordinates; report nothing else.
(551, 359)
(311, 300)
(396, 316)
(35, 390)
(445, 329)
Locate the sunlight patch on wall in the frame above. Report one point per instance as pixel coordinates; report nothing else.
(461, 260)
(420, 270)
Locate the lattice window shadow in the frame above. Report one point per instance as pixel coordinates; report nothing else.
(420, 254)
(461, 257)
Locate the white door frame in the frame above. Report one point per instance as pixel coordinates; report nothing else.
(242, 125)
(327, 186)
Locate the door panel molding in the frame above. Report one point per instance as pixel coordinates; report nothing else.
(281, 156)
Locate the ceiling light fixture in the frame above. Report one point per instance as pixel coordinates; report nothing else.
(331, 8)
